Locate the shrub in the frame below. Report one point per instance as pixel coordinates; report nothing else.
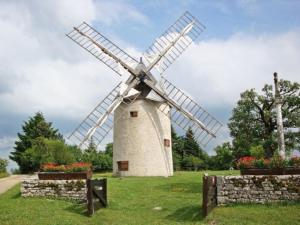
(257, 152)
(3, 165)
(259, 163)
(193, 163)
(45, 151)
(295, 161)
(278, 162)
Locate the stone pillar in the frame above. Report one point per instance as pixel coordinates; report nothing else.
(280, 132)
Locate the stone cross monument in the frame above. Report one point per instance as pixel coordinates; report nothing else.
(280, 133)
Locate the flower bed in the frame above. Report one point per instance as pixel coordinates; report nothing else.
(275, 166)
(75, 171)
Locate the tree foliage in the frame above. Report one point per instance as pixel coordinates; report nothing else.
(253, 120)
(101, 161)
(3, 165)
(223, 160)
(35, 127)
(187, 154)
(45, 151)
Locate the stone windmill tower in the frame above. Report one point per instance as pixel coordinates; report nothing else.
(141, 109)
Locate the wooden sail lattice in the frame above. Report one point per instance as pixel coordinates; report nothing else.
(198, 113)
(79, 135)
(167, 38)
(103, 49)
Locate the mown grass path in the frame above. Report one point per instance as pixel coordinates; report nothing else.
(131, 201)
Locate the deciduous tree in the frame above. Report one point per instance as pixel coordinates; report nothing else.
(253, 121)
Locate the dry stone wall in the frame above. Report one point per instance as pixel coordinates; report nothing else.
(257, 189)
(69, 189)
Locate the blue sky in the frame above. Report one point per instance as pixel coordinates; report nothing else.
(222, 18)
(42, 70)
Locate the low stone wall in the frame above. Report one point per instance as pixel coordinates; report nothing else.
(70, 189)
(257, 189)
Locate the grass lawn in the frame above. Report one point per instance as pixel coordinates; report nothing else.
(131, 201)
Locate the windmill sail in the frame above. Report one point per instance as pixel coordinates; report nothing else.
(186, 113)
(103, 49)
(79, 135)
(100, 121)
(173, 42)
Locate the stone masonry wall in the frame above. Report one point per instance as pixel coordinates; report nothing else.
(257, 189)
(70, 189)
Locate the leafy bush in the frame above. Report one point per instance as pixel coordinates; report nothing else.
(223, 160)
(277, 162)
(101, 161)
(3, 165)
(259, 163)
(257, 151)
(295, 162)
(45, 151)
(193, 163)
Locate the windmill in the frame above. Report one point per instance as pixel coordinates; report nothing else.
(140, 110)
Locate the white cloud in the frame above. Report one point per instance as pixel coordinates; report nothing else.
(219, 70)
(43, 69)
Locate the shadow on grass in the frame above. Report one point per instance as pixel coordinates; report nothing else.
(187, 213)
(16, 195)
(77, 208)
(187, 187)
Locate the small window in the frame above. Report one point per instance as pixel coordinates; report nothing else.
(167, 142)
(122, 165)
(133, 114)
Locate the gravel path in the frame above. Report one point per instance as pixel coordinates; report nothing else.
(8, 182)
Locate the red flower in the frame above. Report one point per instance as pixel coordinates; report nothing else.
(246, 162)
(74, 167)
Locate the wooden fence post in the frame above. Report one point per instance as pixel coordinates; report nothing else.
(209, 194)
(205, 196)
(90, 206)
(105, 190)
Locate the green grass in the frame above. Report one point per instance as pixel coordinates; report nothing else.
(131, 201)
(2, 175)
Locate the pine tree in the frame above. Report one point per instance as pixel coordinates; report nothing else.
(193, 152)
(177, 149)
(34, 128)
(191, 147)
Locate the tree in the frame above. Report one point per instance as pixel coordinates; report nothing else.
(224, 158)
(177, 149)
(45, 151)
(191, 146)
(101, 161)
(3, 165)
(109, 149)
(34, 128)
(90, 154)
(193, 163)
(253, 121)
